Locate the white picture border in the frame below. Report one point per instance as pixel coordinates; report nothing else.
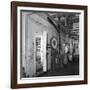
(54, 78)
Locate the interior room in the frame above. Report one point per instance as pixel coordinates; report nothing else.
(49, 44)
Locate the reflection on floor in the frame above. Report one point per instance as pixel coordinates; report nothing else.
(72, 68)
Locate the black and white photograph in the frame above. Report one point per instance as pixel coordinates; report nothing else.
(49, 44)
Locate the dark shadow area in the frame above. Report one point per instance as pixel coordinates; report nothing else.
(71, 68)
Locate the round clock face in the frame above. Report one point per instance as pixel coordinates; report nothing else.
(54, 43)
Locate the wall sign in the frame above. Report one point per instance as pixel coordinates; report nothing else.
(54, 43)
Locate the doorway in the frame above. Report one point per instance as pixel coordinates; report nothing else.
(40, 52)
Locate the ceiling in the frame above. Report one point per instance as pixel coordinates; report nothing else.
(67, 22)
